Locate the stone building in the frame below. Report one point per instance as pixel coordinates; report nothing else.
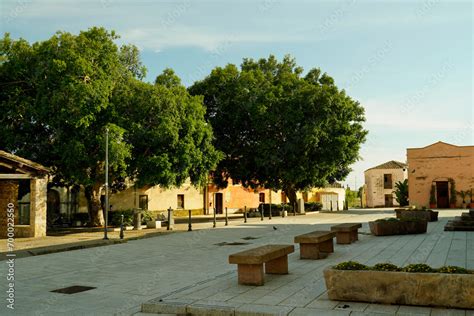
(23, 191)
(438, 167)
(380, 183)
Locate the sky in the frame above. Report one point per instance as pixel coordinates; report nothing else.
(408, 63)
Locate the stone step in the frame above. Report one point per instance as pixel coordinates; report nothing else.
(459, 226)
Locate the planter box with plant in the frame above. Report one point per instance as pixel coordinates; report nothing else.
(151, 220)
(423, 213)
(452, 194)
(394, 226)
(415, 284)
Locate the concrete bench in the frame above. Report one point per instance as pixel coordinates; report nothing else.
(250, 262)
(346, 233)
(315, 245)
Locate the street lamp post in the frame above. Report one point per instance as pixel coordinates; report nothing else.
(106, 182)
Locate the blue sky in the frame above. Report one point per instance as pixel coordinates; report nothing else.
(409, 63)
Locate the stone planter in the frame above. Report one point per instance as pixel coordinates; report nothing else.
(429, 215)
(153, 224)
(401, 288)
(386, 228)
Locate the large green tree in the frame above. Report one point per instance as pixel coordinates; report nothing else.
(278, 128)
(60, 95)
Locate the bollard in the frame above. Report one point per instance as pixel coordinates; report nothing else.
(245, 214)
(331, 206)
(226, 218)
(214, 224)
(170, 219)
(190, 227)
(121, 228)
(270, 216)
(294, 209)
(261, 213)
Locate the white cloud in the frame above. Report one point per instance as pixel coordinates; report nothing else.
(160, 38)
(392, 115)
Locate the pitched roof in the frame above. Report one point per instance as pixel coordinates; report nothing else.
(23, 162)
(392, 164)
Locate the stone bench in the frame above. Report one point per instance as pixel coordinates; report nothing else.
(346, 233)
(315, 245)
(250, 262)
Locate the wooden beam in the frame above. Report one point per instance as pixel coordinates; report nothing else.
(13, 176)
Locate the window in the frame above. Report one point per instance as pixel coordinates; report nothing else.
(143, 202)
(261, 197)
(180, 200)
(387, 181)
(23, 215)
(283, 197)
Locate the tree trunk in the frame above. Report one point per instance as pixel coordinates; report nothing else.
(94, 205)
(290, 192)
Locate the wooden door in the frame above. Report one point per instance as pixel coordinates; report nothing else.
(442, 194)
(219, 203)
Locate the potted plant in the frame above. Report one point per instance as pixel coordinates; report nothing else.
(415, 284)
(463, 195)
(471, 203)
(433, 196)
(452, 198)
(153, 222)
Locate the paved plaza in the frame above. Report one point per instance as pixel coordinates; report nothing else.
(190, 270)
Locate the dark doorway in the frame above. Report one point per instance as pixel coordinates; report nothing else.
(218, 203)
(53, 208)
(442, 194)
(261, 197)
(388, 200)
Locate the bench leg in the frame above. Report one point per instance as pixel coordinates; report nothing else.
(344, 237)
(277, 266)
(250, 274)
(355, 235)
(311, 251)
(327, 246)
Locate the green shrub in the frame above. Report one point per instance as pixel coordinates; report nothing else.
(452, 269)
(350, 265)
(388, 219)
(385, 267)
(418, 267)
(115, 217)
(313, 206)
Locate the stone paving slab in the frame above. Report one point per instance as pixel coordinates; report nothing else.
(303, 291)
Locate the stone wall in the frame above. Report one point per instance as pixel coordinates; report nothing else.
(8, 194)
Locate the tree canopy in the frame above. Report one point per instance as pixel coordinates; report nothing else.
(58, 96)
(278, 128)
